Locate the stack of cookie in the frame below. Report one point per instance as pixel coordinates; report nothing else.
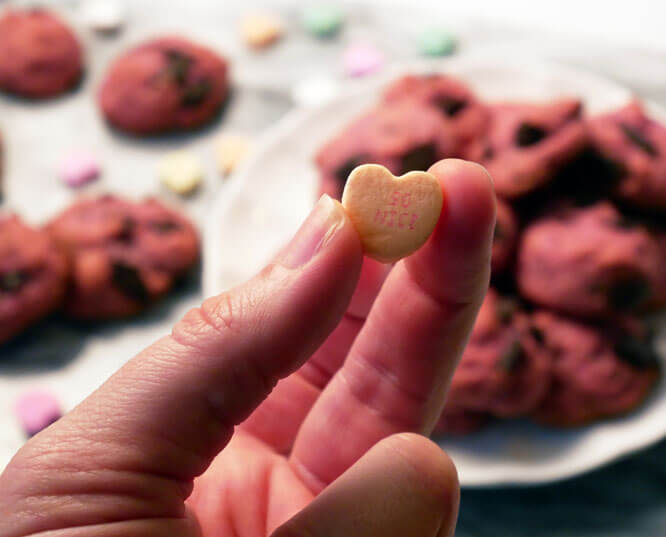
(578, 247)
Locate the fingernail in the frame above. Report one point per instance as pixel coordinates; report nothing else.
(317, 231)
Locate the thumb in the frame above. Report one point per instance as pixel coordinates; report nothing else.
(404, 486)
(132, 449)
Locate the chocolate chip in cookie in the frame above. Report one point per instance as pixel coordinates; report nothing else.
(419, 158)
(528, 135)
(128, 280)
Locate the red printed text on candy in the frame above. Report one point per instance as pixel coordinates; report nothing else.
(398, 216)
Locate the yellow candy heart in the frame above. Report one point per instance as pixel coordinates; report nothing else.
(181, 172)
(231, 149)
(261, 30)
(393, 215)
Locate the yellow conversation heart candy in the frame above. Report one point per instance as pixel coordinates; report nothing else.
(393, 215)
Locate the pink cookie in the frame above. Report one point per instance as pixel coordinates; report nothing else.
(36, 410)
(362, 59)
(78, 169)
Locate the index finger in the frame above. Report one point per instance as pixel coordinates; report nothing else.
(172, 408)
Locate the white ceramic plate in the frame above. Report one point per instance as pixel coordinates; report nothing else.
(275, 190)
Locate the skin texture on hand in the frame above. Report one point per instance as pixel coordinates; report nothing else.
(292, 405)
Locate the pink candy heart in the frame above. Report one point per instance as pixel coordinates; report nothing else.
(36, 410)
(362, 59)
(78, 169)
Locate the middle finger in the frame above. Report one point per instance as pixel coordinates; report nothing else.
(396, 374)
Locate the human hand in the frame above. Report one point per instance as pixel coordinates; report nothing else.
(154, 452)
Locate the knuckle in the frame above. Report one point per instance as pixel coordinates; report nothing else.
(269, 272)
(229, 312)
(220, 315)
(223, 312)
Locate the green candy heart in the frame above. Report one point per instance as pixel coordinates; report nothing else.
(437, 42)
(322, 21)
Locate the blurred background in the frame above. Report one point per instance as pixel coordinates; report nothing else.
(304, 65)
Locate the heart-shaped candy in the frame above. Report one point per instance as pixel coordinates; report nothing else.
(393, 215)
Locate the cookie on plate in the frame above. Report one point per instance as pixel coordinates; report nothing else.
(504, 238)
(526, 144)
(167, 84)
(591, 261)
(635, 145)
(402, 136)
(123, 254)
(39, 55)
(503, 370)
(33, 276)
(597, 371)
(457, 104)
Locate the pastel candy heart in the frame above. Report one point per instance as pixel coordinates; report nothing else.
(78, 169)
(231, 149)
(105, 16)
(36, 410)
(362, 59)
(393, 215)
(261, 30)
(181, 172)
(322, 21)
(437, 42)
